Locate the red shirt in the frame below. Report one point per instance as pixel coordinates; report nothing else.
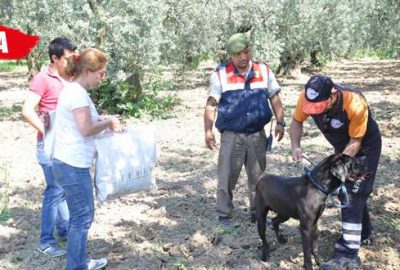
(48, 85)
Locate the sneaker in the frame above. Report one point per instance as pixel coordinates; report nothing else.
(342, 263)
(52, 251)
(224, 221)
(97, 264)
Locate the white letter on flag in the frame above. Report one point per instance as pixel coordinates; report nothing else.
(3, 42)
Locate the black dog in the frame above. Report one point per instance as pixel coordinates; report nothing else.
(303, 198)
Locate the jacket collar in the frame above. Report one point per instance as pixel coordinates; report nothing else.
(250, 72)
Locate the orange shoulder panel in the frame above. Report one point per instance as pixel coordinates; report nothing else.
(298, 114)
(356, 108)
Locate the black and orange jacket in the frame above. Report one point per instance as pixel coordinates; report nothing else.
(349, 118)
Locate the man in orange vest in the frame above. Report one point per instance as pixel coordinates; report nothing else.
(241, 92)
(344, 118)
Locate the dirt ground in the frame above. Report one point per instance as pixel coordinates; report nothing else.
(175, 226)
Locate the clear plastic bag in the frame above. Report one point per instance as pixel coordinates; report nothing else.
(125, 162)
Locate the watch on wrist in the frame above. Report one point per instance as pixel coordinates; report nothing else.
(281, 123)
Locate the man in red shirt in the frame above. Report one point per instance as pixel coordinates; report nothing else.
(43, 93)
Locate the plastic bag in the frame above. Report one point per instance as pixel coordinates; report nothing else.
(125, 162)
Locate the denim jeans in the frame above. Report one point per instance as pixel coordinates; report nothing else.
(78, 187)
(54, 207)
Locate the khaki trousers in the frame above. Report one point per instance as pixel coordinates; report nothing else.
(238, 149)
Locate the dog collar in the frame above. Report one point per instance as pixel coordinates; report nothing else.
(341, 188)
(315, 183)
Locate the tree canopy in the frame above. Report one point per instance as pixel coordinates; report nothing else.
(141, 33)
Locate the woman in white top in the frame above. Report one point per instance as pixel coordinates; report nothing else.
(75, 124)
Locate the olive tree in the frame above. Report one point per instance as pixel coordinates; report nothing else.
(141, 34)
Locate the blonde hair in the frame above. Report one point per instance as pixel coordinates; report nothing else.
(91, 59)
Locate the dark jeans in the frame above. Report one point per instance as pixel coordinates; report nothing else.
(355, 218)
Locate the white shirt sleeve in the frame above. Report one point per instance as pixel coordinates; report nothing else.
(215, 87)
(273, 86)
(80, 99)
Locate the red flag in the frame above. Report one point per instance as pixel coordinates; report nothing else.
(14, 44)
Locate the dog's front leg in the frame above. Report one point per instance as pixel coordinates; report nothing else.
(306, 234)
(261, 213)
(261, 231)
(315, 245)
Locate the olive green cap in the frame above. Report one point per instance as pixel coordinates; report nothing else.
(237, 42)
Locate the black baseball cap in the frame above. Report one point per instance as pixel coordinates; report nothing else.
(318, 89)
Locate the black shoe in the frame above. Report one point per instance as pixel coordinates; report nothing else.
(342, 263)
(224, 221)
(367, 240)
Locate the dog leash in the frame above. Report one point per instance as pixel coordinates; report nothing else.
(315, 183)
(334, 204)
(312, 163)
(342, 188)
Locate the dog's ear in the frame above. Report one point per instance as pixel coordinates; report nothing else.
(340, 166)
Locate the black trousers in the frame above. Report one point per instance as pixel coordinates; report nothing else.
(356, 224)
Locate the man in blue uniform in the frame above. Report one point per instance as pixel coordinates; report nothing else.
(242, 91)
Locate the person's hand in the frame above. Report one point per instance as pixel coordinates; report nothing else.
(296, 155)
(116, 125)
(279, 131)
(103, 117)
(210, 140)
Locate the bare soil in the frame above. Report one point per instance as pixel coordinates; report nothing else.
(175, 226)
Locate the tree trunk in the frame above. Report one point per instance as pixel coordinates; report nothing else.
(289, 63)
(314, 58)
(33, 65)
(100, 24)
(135, 90)
(33, 59)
